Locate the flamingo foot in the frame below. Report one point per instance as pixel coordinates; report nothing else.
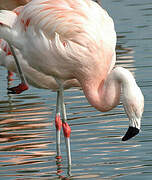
(18, 89)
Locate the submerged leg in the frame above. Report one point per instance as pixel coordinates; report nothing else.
(23, 85)
(67, 133)
(65, 126)
(58, 125)
(66, 129)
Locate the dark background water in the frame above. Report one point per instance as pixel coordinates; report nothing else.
(27, 132)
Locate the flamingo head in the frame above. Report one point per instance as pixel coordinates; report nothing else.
(131, 132)
(134, 107)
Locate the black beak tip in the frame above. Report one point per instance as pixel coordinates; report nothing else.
(132, 131)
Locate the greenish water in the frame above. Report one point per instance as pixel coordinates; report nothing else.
(27, 132)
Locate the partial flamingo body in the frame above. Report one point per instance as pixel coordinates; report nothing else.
(9, 50)
(75, 39)
(33, 77)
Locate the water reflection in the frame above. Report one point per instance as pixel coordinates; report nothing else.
(27, 138)
(25, 135)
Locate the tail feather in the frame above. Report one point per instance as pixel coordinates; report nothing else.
(7, 18)
(7, 21)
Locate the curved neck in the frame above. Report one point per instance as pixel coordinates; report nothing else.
(104, 94)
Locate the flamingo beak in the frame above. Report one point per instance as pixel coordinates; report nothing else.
(132, 131)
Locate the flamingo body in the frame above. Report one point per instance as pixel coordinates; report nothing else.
(64, 36)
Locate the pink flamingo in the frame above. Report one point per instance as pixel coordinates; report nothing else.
(9, 50)
(75, 39)
(7, 4)
(14, 62)
(13, 4)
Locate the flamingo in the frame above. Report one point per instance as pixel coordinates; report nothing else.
(7, 4)
(10, 51)
(11, 4)
(75, 39)
(14, 62)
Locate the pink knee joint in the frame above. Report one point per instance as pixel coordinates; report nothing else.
(58, 122)
(66, 130)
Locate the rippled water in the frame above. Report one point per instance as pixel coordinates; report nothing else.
(27, 132)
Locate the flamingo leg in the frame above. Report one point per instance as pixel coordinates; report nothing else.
(67, 133)
(9, 77)
(65, 126)
(23, 85)
(58, 125)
